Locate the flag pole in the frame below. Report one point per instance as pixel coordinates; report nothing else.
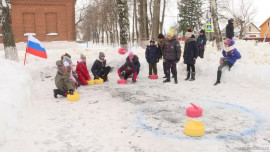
(25, 57)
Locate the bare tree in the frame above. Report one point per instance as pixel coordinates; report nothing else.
(143, 20)
(155, 19)
(7, 33)
(214, 14)
(163, 16)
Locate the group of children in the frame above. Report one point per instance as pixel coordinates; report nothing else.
(168, 49)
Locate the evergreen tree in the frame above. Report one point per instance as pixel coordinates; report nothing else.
(190, 15)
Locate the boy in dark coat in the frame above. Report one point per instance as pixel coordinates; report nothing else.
(126, 70)
(152, 57)
(135, 60)
(230, 29)
(99, 68)
(190, 54)
(172, 53)
(82, 71)
(231, 55)
(201, 41)
(161, 43)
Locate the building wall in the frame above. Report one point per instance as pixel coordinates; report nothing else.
(251, 31)
(264, 28)
(45, 18)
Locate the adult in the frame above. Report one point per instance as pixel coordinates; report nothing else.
(230, 56)
(99, 68)
(201, 41)
(161, 44)
(230, 29)
(172, 53)
(190, 54)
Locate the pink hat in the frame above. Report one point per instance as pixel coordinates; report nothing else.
(130, 54)
(227, 41)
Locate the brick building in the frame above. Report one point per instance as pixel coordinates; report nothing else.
(48, 20)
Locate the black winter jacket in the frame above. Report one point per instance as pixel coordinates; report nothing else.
(229, 30)
(97, 67)
(172, 50)
(190, 51)
(152, 54)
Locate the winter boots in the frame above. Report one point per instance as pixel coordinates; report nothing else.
(167, 80)
(188, 75)
(59, 92)
(175, 80)
(218, 77)
(192, 76)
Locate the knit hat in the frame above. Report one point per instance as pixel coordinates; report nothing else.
(188, 33)
(202, 31)
(231, 20)
(129, 64)
(67, 59)
(152, 41)
(160, 36)
(83, 56)
(130, 54)
(171, 32)
(227, 41)
(67, 55)
(101, 54)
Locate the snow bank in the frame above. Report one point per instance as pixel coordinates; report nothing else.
(15, 85)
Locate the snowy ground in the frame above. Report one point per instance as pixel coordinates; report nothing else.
(148, 116)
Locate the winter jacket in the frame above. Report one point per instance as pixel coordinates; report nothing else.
(127, 72)
(172, 50)
(233, 55)
(161, 48)
(62, 80)
(97, 67)
(190, 51)
(83, 74)
(136, 62)
(201, 41)
(229, 30)
(152, 54)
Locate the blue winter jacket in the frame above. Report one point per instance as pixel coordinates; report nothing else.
(233, 55)
(152, 54)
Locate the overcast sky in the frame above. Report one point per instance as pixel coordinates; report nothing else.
(262, 6)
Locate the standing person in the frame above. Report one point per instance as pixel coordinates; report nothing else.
(161, 43)
(127, 70)
(82, 71)
(190, 54)
(152, 57)
(135, 60)
(201, 41)
(230, 56)
(99, 68)
(63, 79)
(230, 29)
(172, 53)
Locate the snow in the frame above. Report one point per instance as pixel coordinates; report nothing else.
(52, 34)
(27, 34)
(146, 116)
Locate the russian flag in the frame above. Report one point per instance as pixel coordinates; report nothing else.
(35, 47)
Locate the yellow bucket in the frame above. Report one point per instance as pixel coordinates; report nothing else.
(98, 81)
(91, 82)
(194, 128)
(73, 98)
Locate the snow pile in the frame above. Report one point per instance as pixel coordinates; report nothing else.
(15, 85)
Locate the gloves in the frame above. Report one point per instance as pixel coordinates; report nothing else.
(71, 91)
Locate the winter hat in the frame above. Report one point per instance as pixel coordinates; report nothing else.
(130, 54)
(160, 36)
(129, 64)
(188, 33)
(101, 54)
(231, 20)
(67, 55)
(171, 32)
(227, 41)
(152, 41)
(202, 31)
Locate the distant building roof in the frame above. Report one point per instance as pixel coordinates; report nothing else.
(265, 21)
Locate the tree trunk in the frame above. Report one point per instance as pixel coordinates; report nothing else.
(133, 24)
(155, 20)
(7, 34)
(123, 23)
(213, 9)
(143, 20)
(163, 15)
(136, 19)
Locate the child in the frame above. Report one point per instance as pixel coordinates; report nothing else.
(66, 55)
(99, 68)
(81, 70)
(63, 78)
(201, 41)
(135, 60)
(231, 55)
(190, 54)
(152, 57)
(126, 70)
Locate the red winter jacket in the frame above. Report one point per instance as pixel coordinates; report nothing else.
(83, 74)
